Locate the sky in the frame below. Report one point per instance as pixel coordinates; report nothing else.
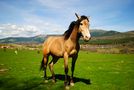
(26, 18)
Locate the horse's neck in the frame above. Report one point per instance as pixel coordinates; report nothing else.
(74, 34)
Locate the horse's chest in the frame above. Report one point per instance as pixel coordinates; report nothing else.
(71, 49)
(74, 51)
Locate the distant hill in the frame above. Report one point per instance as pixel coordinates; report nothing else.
(98, 33)
(98, 37)
(35, 39)
(112, 37)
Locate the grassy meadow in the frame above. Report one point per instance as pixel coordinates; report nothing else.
(93, 71)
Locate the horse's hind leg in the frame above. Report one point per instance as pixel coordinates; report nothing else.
(45, 61)
(53, 61)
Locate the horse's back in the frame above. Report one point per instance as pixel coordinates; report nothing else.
(54, 45)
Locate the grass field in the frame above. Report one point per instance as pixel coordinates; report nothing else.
(93, 71)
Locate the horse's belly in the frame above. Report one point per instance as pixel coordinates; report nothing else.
(56, 47)
(57, 53)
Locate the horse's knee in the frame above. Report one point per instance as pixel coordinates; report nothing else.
(45, 66)
(50, 65)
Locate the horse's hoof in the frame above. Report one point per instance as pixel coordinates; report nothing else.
(53, 81)
(67, 87)
(71, 84)
(46, 81)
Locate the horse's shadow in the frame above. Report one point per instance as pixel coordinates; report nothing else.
(34, 83)
(76, 79)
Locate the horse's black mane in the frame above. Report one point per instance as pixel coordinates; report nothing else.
(70, 29)
(68, 32)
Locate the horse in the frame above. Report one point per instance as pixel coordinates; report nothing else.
(65, 46)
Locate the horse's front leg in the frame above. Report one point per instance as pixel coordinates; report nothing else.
(66, 70)
(74, 58)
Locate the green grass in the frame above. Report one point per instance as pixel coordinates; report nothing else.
(93, 71)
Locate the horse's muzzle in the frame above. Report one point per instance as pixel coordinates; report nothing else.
(86, 38)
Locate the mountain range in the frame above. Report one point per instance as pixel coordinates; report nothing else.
(96, 35)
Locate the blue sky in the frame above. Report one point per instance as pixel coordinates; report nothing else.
(20, 18)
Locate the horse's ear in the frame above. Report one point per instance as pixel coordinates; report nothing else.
(78, 17)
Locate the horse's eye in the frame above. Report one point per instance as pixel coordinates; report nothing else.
(81, 24)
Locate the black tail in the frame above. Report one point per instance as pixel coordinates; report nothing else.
(42, 64)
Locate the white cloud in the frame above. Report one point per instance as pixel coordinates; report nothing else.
(36, 28)
(54, 16)
(44, 24)
(12, 30)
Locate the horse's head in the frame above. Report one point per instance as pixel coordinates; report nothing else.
(83, 23)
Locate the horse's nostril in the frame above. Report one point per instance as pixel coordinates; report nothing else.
(87, 37)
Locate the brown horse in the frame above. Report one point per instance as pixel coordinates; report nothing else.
(65, 46)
